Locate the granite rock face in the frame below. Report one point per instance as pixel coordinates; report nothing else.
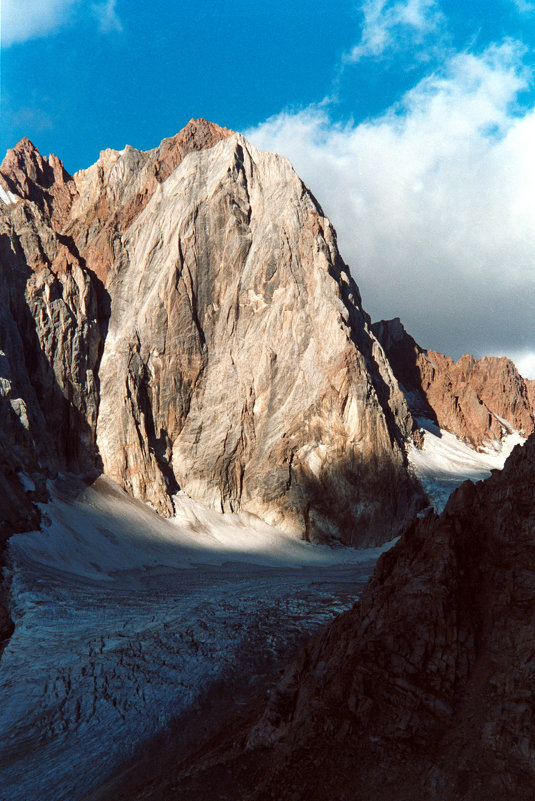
(239, 364)
(51, 337)
(182, 318)
(112, 193)
(470, 398)
(426, 688)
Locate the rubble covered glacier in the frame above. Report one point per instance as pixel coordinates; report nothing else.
(123, 620)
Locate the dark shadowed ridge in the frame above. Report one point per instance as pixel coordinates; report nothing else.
(426, 688)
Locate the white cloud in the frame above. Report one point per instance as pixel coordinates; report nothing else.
(29, 19)
(106, 16)
(524, 6)
(434, 202)
(389, 25)
(524, 360)
(23, 20)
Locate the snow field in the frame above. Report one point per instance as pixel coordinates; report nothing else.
(445, 462)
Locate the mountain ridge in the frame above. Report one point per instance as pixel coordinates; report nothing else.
(478, 400)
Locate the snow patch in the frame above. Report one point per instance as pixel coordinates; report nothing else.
(99, 530)
(445, 461)
(7, 197)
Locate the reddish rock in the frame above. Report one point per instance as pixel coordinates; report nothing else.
(28, 175)
(467, 397)
(530, 386)
(116, 189)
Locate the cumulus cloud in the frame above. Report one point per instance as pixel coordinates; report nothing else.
(434, 202)
(23, 20)
(389, 25)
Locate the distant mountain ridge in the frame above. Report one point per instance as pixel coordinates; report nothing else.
(475, 399)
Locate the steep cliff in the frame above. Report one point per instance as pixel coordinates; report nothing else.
(239, 364)
(470, 398)
(52, 326)
(182, 318)
(425, 689)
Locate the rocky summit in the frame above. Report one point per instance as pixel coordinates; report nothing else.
(182, 318)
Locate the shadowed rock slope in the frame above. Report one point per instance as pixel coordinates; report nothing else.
(470, 398)
(425, 690)
(181, 317)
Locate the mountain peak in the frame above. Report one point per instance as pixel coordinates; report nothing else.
(198, 134)
(25, 145)
(123, 182)
(221, 271)
(199, 124)
(27, 173)
(23, 157)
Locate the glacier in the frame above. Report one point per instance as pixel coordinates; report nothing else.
(124, 619)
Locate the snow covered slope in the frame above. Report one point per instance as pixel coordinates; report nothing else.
(124, 618)
(445, 462)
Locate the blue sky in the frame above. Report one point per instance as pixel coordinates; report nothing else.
(81, 76)
(413, 122)
(84, 85)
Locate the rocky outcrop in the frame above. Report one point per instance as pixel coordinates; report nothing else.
(471, 398)
(24, 173)
(425, 689)
(52, 327)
